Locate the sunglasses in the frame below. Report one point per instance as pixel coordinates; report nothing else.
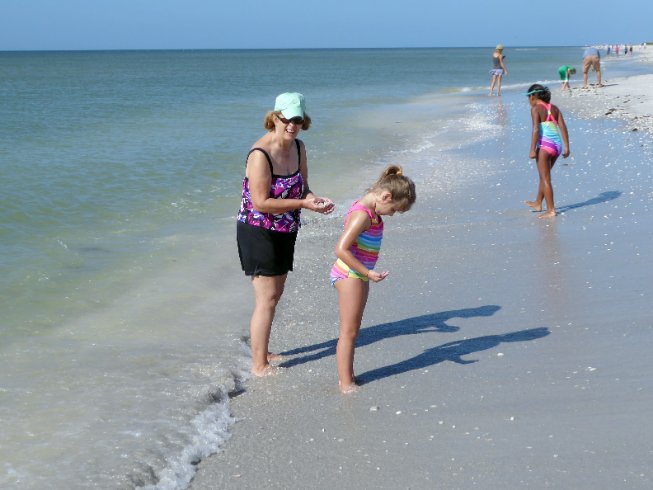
(297, 120)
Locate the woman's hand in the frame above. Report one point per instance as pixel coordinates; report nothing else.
(321, 205)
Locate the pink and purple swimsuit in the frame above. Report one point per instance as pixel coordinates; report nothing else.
(366, 247)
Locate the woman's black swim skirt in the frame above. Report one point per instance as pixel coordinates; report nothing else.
(264, 252)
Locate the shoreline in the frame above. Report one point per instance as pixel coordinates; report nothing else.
(498, 346)
(626, 98)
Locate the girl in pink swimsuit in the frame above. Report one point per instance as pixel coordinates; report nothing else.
(357, 251)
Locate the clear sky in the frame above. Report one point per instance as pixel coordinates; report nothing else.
(224, 24)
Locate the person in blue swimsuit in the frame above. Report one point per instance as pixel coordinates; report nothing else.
(549, 140)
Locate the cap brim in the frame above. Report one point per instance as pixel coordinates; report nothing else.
(293, 112)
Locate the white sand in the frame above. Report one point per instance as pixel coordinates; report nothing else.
(628, 98)
(502, 352)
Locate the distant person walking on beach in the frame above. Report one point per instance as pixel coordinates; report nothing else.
(565, 72)
(275, 189)
(498, 69)
(592, 59)
(357, 251)
(549, 136)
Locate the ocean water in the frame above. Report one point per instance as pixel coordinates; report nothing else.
(123, 307)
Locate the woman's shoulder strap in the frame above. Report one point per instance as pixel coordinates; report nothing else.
(267, 156)
(299, 154)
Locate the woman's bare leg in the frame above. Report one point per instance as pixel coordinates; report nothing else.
(267, 292)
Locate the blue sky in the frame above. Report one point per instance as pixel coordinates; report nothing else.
(224, 24)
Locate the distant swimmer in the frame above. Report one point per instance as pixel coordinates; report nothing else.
(548, 141)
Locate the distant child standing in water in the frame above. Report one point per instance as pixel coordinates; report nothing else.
(357, 251)
(549, 136)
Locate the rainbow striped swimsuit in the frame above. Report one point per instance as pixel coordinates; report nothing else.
(550, 139)
(366, 247)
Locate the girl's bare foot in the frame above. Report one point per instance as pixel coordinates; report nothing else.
(536, 206)
(548, 214)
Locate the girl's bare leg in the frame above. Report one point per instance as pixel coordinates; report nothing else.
(544, 165)
(494, 81)
(267, 292)
(352, 297)
(537, 203)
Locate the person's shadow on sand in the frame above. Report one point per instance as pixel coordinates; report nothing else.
(452, 351)
(603, 197)
(434, 322)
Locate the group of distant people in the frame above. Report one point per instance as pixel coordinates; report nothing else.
(591, 60)
(616, 48)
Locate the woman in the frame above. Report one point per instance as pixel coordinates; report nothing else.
(275, 189)
(498, 69)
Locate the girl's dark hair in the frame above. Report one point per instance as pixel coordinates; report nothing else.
(401, 187)
(540, 92)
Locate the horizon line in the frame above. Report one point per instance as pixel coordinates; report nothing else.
(59, 50)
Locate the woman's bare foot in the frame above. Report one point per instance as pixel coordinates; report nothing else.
(536, 206)
(549, 214)
(268, 370)
(275, 357)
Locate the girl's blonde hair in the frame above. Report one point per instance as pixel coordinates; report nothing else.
(396, 183)
(268, 122)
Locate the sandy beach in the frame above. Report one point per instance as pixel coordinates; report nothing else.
(503, 351)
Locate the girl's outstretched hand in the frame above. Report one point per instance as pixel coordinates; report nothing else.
(377, 276)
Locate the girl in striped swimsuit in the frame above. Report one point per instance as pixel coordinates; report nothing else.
(549, 135)
(357, 251)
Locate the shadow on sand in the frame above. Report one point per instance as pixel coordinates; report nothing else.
(452, 351)
(603, 197)
(434, 322)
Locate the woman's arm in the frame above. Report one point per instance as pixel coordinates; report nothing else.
(260, 179)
